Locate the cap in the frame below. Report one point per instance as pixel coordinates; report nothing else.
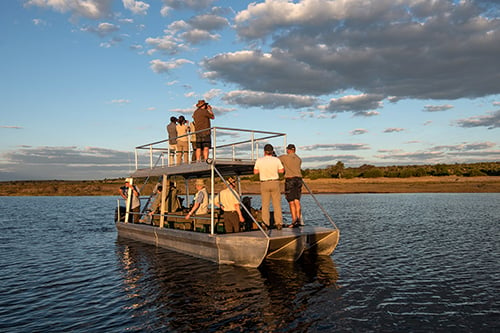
(200, 182)
(290, 146)
(268, 147)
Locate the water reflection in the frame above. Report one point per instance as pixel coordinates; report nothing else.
(170, 291)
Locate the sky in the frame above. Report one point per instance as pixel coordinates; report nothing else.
(381, 82)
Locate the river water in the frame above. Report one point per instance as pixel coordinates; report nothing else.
(404, 263)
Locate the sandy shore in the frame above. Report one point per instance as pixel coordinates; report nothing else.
(449, 184)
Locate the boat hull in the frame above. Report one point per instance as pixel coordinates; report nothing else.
(246, 249)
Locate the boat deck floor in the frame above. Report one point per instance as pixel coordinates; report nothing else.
(283, 233)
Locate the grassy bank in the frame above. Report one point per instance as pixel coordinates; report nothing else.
(447, 184)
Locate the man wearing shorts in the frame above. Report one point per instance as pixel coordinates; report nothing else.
(293, 183)
(202, 117)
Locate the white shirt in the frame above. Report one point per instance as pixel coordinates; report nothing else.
(268, 167)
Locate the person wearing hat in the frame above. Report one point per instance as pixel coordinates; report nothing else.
(229, 201)
(172, 139)
(293, 183)
(136, 201)
(268, 168)
(202, 117)
(200, 205)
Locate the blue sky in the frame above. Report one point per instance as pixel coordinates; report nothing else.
(382, 82)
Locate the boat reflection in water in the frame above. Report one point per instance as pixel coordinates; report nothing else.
(174, 292)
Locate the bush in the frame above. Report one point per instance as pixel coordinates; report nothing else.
(373, 173)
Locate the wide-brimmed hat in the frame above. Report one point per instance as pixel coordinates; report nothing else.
(128, 180)
(201, 102)
(200, 182)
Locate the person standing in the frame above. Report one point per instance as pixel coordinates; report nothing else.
(200, 205)
(135, 206)
(182, 141)
(229, 201)
(293, 183)
(268, 168)
(192, 138)
(202, 117)
(172, 139)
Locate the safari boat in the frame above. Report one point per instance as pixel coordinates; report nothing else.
(233, 155)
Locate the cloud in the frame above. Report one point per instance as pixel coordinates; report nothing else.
(437, 108)
(167, 44)
(466, 146)
(336, 146)
(322, 161)
(187, 4)
(358, 131)
(103, 29)
(208, 22)
(393, 130)
(136, 7)
(159, 66)
(461, 153)
(366, 113)
(274, 72)
(11, 127)
(414, 156)
(268, 100)
(490, 121)
(91, 9)
(181, 34)
(120, 101)
(39, 22)
(196, 36)
(406, 49)
(356, 103)
(36, 163)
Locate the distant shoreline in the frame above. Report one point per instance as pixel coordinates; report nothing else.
(446, 184)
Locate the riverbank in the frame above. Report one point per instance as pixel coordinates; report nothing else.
(448, 184)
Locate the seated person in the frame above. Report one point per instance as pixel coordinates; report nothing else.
(172, 203)
(248, 224)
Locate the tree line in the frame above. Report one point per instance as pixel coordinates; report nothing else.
(405, 171)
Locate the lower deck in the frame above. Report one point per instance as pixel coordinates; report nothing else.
(247, 249)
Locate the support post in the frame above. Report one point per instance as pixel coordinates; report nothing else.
(163, 200)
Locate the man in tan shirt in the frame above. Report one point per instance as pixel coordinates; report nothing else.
(293, 183)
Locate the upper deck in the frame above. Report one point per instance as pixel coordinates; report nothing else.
(233, 153)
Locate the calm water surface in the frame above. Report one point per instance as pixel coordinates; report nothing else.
(405, 263)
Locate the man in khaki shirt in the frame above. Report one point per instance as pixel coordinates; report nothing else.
(293, 183)
(229, 201)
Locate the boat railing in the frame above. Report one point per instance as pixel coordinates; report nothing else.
(227, 144)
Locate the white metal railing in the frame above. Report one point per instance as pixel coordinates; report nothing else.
(227, 143)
